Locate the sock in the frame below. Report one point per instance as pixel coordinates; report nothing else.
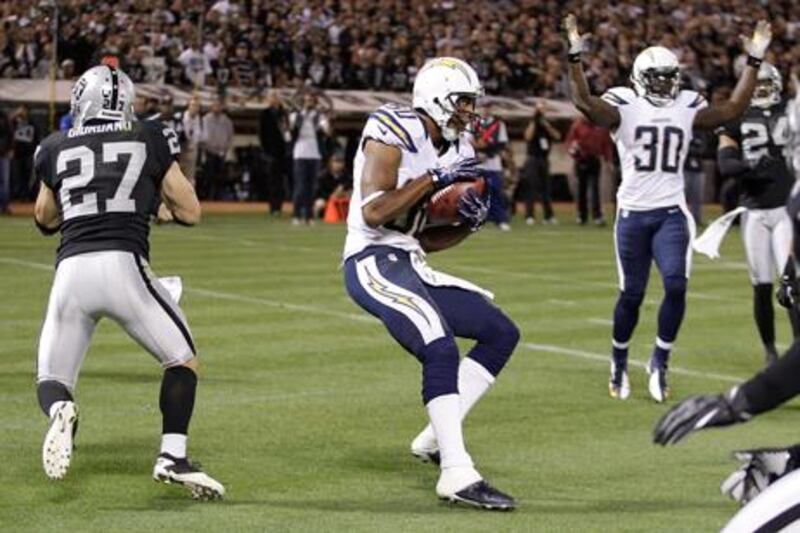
(660, 357)
(178, 388)
(174, 444)
(794, 320)
(51, 392)
(473, 382)
(445, 414)
(619, 352)
(764, 313)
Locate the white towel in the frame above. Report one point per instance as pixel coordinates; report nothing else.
(174, 286)
(709, 242)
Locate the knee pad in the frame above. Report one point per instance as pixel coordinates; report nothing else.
(439, 368)
(675, 286)
(498, 339)
(49, 392)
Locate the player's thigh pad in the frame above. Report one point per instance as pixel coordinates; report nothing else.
(757, 240)
(781, 237)
(633, 247)
(130, 294)
(672, 249)
(773, 510)
(68, 325)
(383, 282)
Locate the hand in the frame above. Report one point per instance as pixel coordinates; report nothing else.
(463, 170)
(473, 210)
(576, 41)
(756, 45)
(759, 470)
(787, 292)
(695, 413)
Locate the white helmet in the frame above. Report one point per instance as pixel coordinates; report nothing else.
(437, 88)
(769, 86)
(656, 75)
(102, 92)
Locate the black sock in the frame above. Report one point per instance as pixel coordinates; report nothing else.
(50, 392)
(794, 320)
(764, 313)
(177, 399)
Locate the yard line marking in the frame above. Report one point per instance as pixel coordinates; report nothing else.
(546, 348)
(563, 303)
(591, 356)
(600, 321)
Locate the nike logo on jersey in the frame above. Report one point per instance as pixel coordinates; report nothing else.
(383, 131)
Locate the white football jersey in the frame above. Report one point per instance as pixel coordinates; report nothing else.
(398, 126)
(652, 142)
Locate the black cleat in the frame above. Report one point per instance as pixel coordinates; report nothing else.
(481, 494)
(428, 456)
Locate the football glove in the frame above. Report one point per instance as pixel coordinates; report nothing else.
(788, 288)
(473, 210)
(698, 412)
(756, 46)
(463, 170)
(576, 41)
(760, 468)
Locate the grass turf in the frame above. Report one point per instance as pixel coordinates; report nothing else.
(306, 407)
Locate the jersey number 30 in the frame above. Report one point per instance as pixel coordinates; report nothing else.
(658, 146)
(121, 202)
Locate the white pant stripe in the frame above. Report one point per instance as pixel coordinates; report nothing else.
(413, 307)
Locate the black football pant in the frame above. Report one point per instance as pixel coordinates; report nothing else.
(588, 173)
(537, 186)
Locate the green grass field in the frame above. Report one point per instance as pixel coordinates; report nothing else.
(306, 407)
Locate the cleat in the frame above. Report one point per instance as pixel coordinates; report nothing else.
(482, 495)
(425, 448)
(618, 386)
(57, 446)
(657, 386)
(169, 469)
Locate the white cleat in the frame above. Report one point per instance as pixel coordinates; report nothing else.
(57, 446)
(425, 448)
(659, 390)
(169, 469)
(618, 385)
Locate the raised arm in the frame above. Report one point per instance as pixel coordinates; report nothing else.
(733, 107)
(593, 107)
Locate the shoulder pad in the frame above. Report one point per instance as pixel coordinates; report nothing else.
(692, 99)
(619, 96)
(397, 126)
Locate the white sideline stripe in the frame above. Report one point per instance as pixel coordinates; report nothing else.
(591, 356)
(547, 348)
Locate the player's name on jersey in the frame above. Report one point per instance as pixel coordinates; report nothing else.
(124, 125)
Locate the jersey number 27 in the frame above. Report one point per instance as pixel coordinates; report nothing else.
(121, 202)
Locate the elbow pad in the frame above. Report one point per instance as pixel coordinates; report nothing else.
(730, 162)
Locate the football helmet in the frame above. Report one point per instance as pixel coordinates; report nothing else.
(446, 89)
(656, 75)
(769, 86)
(102, 92)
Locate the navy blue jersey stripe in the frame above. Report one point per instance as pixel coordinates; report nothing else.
(697, 101)
(616, 99)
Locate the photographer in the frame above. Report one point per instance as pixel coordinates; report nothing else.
(309, 127)
(539, 138)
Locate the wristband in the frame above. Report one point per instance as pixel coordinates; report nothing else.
(574, 57)
(754, 61)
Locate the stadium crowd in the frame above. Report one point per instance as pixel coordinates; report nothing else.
(516, 46)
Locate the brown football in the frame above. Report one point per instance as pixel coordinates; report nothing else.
(443, 205)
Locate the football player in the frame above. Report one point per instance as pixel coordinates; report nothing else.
(651, 125)
(767, 483)
(404, 156)
(752, 149)
(99, 183)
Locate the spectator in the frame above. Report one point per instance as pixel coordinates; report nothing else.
(539, 137)
(196, 65)
(217, 141)
(242, 66)
(271, 128)
(489, 140)
(588, 144)
(335, 188)
(309, 127)
(6, 137)
(25, 139)
(193, 133)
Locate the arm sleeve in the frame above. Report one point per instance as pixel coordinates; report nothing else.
(730, 163)
(774, 385)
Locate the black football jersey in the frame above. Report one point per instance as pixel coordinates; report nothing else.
(763, 132)
(107, 179)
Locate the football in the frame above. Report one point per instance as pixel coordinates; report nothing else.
(443, 206)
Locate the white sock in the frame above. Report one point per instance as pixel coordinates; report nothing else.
(174, 444)
(445, 414)
(473, 382)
